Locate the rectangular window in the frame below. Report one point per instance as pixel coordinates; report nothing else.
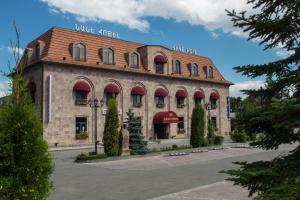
(180, 125)
(159, 68)
(160, 102)
(134, 60)
(81, 97)
(137, 100)
(198, 101)
(180, 102)
(110, 96)
(213, 104)
(81, 125)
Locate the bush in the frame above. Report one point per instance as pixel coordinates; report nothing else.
(111, 132)
(81, 136)
(205, 142)
(174, 147)
(240, 137)
(84, 156)
(197, 127)
(210, 133)
(219, 140)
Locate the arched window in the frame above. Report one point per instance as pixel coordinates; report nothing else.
(79, 52)
(160, 95)
(134, 60)
(81, 90)
(137, 93)
(194, 69)
(108, 56)
(177, 67)
(159, 61)
(111, 91)
(214, 97)
(210, 72)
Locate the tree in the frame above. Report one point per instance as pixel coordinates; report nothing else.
(25, 163)
(210, 132)
(137, 145)
(111, 132)
(197, 127)
(276, 117)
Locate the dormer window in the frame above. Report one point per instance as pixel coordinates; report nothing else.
(159, 61)
(134, 60)
(177, 67)
(210, 72)
(108, 56)
(37, 52)
(194, 69)
(79, 52)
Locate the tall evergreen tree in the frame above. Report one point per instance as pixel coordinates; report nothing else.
(210, 132)
(111, 129)
(197, 127)
(277, 115)
(25, 163)
(137, 145)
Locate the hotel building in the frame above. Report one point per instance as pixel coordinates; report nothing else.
(66, 68)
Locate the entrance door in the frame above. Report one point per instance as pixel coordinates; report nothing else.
(160, 130)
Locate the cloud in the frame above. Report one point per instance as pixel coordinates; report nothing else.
(133, 13)
(11, 50)
(283, 53)
(4, 88)
(235, 90)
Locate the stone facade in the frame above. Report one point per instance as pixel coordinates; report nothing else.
(55, 97)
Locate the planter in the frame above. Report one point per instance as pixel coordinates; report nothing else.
(81, 136)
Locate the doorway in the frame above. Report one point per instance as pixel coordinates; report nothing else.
(161, 131)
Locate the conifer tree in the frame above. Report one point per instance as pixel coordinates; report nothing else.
(197, 127)
(25, 163)
(277, 112)
(137, 145)
(210, 132)
(111, 129)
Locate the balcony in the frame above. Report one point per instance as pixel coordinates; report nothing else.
(160, 105)
(81, 136)
(180, 105)
(137, 105)
(81, 102)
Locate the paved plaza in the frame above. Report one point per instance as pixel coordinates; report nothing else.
(193, 176)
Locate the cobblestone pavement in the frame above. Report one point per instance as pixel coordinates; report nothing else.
(217, 191)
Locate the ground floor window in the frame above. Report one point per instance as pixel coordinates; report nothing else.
(137, 100)
(160, 101)
(81, 128)
(214, 122)
(180, 102)
(180, 126)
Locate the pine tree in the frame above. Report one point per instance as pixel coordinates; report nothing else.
(111, 129)
(277, 114)
(197, 127)
(137, 145)
(25, 163)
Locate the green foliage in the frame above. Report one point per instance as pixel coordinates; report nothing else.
(137, 145)
(197, 127)
(84, 156)
(275, 113)
(205, 142)
(210, 133)
(219, 140)
(111, 129)
(25, 163)
(240, 137)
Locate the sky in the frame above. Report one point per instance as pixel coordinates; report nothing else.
(195, 24)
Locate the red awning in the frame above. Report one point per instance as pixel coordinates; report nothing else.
(160, 92)
(137, 90)
(111, 88)
(82, 86)
(31, 87)
(181, 93)
(160, 59)
(165, 118)
(214, 96)
(199, 95)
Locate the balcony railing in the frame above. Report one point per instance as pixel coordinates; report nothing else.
(180, 105)
(137, 105)
(81, 102)
(160, 105)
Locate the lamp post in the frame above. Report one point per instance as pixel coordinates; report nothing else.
(94, 104)
(208, 108)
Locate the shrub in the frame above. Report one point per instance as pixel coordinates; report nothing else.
(81, 136)
(205, 142)
(197, 127)
(83, 156)
(210, 133)
(219, 140)
(240, 137)
(111, 132)
(174, 147)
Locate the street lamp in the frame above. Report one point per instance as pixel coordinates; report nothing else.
(94, 104)
(208, 108)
